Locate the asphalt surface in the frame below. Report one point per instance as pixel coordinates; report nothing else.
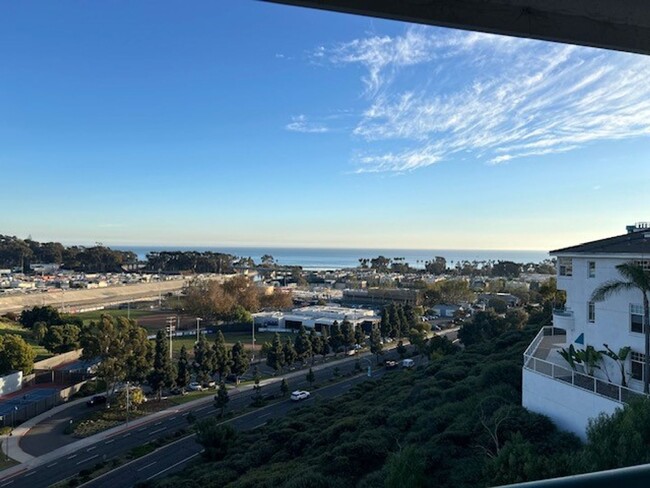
(174, 457)
(69, 465)
(49, 435)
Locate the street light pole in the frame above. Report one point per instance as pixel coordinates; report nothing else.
(253, 332)
(198, 320)
(170, 329)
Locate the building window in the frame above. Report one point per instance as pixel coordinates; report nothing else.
(565, 266)
(592, 269)
(591, 312)
(644, 263)
(637, 365)
(636, 318)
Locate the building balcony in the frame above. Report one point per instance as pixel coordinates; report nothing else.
(564, 319)
(542, 357)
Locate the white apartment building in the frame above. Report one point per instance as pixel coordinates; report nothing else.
(570, 397)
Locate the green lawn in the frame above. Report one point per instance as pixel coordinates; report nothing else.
(231, 338)
(96, 314)
(9, 327)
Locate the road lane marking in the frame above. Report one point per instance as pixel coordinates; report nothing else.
(265, 415)
(50, 465)
(86, 460)
(173, 466)
(203, 408)
(173, 418)
(6, 484)
(143, 429)
(157, 423)
(126, 435)
(73, 456)
(29, 474)
(156, 431)
(145, 467)
(108, 442)
(91, 448)
(258, 426)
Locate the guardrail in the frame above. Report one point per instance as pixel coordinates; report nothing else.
(584, 381)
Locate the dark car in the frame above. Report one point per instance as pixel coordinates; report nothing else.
(96, 400)
(390, 364)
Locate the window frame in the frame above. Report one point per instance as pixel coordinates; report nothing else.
(591, 269)
(636, 362)
(591, 312)
(633, 311)
(565, 266)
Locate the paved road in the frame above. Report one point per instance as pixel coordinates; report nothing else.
(86, 457)
(49, 435)
(176, 456)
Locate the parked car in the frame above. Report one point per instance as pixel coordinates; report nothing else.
(96, 400)
(390, 364)
(408, 363)
(351, 352)
(298, 395)
(194, 386)
(357, 347)
(210, 384)
(178, 391)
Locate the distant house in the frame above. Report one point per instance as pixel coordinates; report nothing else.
(445, 310)
(511, 300)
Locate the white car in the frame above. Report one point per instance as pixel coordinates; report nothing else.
(298, 395)
(194, 386)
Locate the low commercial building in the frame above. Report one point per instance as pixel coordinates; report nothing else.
(378, 297)
(314, 317)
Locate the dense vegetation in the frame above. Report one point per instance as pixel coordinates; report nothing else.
(454, 423)
(21, 253)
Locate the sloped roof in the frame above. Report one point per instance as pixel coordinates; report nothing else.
(637, 242)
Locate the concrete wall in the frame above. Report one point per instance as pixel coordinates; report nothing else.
(58, 360)
(11, 383)
(570, 408)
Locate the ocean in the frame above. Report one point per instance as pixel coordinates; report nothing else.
(322, 258)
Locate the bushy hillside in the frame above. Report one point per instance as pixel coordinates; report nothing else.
(447, 425)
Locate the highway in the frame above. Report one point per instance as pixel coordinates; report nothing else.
(69, 465)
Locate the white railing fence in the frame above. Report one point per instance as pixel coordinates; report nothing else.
(579, 380)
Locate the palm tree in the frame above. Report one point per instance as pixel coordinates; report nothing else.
(635, 278)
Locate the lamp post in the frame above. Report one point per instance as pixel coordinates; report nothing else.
(369, 367)
(198, 321)
(170, 328)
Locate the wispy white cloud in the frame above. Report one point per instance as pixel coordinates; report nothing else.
(436, 95)
(299, 123)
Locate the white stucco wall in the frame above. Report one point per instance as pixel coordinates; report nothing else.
(11, 382)
(612, 324)
(569, 408)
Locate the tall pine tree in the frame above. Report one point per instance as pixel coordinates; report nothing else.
(303, 345)
(275, 356)
(222, 358)
(183, 370)
(162, 375)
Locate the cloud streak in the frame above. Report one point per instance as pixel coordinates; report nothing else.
(436, 95)
(299, 123)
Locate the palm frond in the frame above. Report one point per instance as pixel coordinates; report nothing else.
(635, 274)
(610, 288)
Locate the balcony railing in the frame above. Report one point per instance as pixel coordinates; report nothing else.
(579, 380)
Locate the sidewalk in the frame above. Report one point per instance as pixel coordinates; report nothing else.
(27, 461)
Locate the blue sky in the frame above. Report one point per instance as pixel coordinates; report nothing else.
(245, 123)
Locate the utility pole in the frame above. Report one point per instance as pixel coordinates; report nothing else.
(198, 320)
(253, 332)
(127, 403)
(171, 328)
(128, 310)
